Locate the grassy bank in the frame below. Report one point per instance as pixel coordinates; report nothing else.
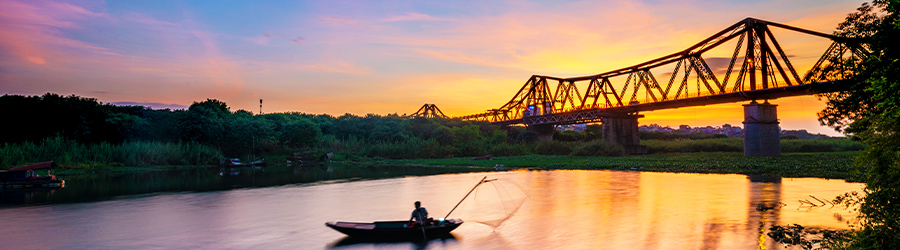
(70, 154)
(823, 165)
(737, 145)
(354, 149)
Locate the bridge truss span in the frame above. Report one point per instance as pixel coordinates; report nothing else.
(758, 68)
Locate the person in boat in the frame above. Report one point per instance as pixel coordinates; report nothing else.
(420, 215)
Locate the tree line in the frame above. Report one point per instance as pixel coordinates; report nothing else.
(239, 133)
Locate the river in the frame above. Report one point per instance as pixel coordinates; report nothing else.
(563, 210)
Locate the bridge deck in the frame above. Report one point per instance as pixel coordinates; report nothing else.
(594, 115)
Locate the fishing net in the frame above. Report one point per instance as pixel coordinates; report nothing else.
(493, 203)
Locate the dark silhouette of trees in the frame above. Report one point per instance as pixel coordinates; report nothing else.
(871, 112)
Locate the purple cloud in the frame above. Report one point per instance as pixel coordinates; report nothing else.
(299, 40)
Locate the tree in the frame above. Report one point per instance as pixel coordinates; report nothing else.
(870, 111)
(301, 133)
(204, 122)
(593, 132)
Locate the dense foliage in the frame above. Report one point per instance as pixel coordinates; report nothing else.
(133, 153)
(871, 112)
(88, 125)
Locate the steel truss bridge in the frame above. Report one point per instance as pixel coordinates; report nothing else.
(759, 69)
(427, 111)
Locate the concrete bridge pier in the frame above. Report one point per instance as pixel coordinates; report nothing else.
(545, 131)
(761, 132)
(623, 130)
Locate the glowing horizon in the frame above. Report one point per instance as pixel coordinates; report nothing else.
(340, 57)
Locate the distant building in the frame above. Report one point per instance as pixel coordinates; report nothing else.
(572, 127)
(727, 129)
(803, 134)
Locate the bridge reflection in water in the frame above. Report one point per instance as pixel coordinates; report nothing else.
(634, 210)
(567, 210)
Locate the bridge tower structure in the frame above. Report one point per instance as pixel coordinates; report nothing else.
(427, 111)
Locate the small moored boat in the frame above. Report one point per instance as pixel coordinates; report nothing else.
(395, 229)
(26, 177)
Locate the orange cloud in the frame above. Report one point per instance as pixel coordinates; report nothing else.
(36, 60)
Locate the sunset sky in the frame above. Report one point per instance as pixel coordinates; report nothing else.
(377, 57)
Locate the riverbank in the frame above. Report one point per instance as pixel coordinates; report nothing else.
(831, 165)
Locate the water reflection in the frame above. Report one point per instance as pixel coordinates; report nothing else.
(104, 186)
(354, 243)
(765, 201)
(567, 210)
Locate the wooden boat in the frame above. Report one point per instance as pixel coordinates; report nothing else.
(307, 157)
(395, 229)
(26, 177)
(235, 162)
(402, 229)
(482, 158)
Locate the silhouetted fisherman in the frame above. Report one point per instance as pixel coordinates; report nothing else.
(420, 215)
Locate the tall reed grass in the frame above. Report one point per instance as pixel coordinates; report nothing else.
(414, 148)
(821, 145)
(70, 153)
(598, 148)
(686, 145)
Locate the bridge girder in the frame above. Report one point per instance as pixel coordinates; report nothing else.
(759, 68)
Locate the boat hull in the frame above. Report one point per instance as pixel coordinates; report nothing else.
(39, 183)
(393, 229)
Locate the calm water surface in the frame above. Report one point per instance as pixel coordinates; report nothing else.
(566, 210)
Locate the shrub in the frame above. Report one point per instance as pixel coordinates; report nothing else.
(413, 148)
(568, 135)
(506, 149)
(820, 145)
(598, 148)
(552, 148)
(138, 153)
(683, 145)
(527, 136)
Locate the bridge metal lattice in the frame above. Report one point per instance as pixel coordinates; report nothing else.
(759, 69)
(427, 111)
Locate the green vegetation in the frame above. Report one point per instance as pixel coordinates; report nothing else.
(821, 145)
(684, 146)
(870, 111)
(737, 145)
(207, 132)
(71, 154)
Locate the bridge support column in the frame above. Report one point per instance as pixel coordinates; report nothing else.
(545, 131)
(623, 130)
(761, 131)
